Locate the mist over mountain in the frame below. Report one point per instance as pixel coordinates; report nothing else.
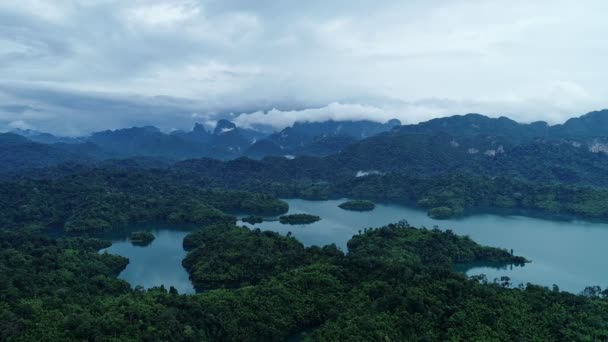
(462, 143)
(238, 170)
(46, 138)
(224, 141)
(27, 149)
(317, 138)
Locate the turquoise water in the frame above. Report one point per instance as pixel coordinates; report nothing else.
(570, 254)
(159, 263)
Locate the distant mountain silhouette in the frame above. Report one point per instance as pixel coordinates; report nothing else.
(46, 138)
(19, 153)
(594, 124)
(590, 125)
(225, 142)
(432, 145)
(317, 138)
(477, 124)
(575, 152)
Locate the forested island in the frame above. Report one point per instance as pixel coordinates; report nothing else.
(253, 219)
(358, 205)
(274, 178)
(299, 219)
(461, 193)
(141, 238)
(391, 283)
(103, 200)
(395, 281)
(227, 171)
(399, 278)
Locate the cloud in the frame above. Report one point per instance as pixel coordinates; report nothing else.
(19, 124)
(162, 14)
(279, 119)
(95, 64)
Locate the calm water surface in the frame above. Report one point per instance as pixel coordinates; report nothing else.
(571, 254)
(159, 263)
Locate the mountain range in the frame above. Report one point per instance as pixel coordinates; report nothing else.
(470, 143)
(24, 149)
(574, 152)
(317, 138)
(590, 125)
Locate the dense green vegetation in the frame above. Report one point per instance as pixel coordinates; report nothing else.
(431, 247)
(441, 213)
(141, 238)
(308, 178)
(87, 199)
(461, 193)
(157, 193)
(395, 283)
(253, 219)
(469, 144)
(358, 205)
(299, 219)
(217, 260)
(457, 195)
(106, 199)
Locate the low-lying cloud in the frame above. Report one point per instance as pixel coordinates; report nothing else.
(75, 66)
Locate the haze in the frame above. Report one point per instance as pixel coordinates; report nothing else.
(72, 67)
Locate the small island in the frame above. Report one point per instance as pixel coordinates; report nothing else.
(299, 219)
(141, 238)
(253, 219)
(441, 213)
(358, 205)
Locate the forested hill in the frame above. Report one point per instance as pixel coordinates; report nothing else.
(590, 125)
(471, 125)
(317, 138)
(544, 161)
(573, 153)
(99, 200)
(116, 186)
(18, 153)
(396, 283)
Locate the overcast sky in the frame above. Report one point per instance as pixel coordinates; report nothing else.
(75, 66)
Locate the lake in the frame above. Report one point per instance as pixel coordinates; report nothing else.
(159, 263)
(570, 254)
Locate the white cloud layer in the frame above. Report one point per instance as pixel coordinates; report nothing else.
(73, 66)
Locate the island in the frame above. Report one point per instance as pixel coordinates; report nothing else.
(253, 219)
(299, 219)
(441, 213)
(358, 205)
(141, 238)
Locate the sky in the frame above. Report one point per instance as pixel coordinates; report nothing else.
(71, 67)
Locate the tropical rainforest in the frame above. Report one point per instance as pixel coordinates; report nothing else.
(251, 187)
(391, 283)
(395, 283)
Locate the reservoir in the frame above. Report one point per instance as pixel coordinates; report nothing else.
(571, 254)
(159, 263)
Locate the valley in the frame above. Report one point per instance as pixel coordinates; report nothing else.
(527, 193)
(303, 171)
